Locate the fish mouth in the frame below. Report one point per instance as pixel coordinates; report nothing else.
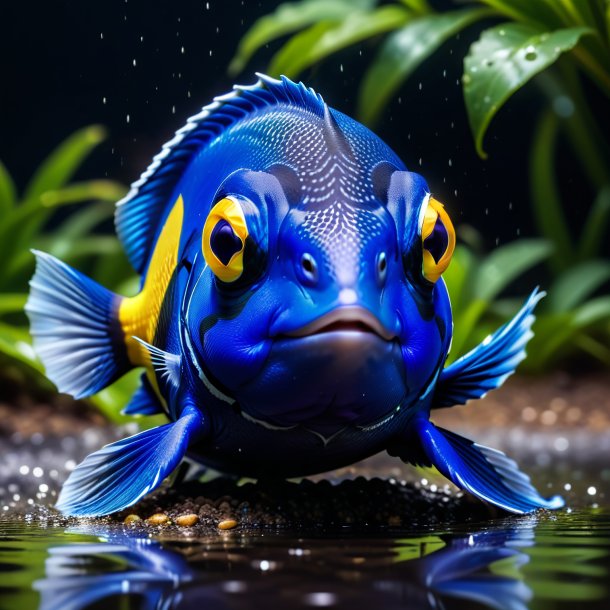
(344, 320)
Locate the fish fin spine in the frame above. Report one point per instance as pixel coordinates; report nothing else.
(121, 473)
(140, 212)
(75, 328)
(486, 473)
(490, 363)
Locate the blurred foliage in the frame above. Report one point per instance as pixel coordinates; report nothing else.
(503, 60)
(38, 219)
(519, 39)
(568, 321)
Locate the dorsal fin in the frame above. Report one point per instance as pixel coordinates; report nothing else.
(138, 214)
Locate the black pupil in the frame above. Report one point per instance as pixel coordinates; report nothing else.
(436, 243)
(224, 242)
(307, 265)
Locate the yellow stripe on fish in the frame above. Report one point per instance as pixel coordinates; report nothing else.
(139, 315)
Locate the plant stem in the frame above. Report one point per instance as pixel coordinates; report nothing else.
(583, 133)
(594, 348)
(598, 74)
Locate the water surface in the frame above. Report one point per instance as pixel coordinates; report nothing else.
(543, 561)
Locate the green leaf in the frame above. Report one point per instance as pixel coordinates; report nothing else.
(464, 326)
(593, 312)
(594, 348)
(8, 193)
(546, 200)
(93, 245)
(579, 12)
(19, 231)
(550, 332)
(556, 334)
(327, 37)
(403, 52)
(595, 230)
(417, 6)
(504, 59)
(12, 302)
(111, 400)
(16, 344)
(538, 13)
(82, 222)
(98, 190)
(507, 263)
(576, 284)
(457, 278)
(288, 18)
(63, 162)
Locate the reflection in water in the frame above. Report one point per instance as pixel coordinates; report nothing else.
(234, 572)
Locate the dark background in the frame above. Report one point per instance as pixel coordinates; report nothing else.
(141, 68)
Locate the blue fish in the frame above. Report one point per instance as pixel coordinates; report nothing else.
(292, 316)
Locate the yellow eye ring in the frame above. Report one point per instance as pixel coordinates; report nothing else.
(224, 239)
(434, 264)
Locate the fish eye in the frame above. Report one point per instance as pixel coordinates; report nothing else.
(438, 240)
(224, 238)
(382, 268)
(309, 268)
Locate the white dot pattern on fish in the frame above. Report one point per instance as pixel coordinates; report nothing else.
(337, 189)
(341, 232)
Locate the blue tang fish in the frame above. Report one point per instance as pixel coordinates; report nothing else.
(292, 317)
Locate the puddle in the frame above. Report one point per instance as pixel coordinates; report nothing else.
(543, 561)
(456, 556)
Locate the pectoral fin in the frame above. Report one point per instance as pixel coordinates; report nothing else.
(121, 473)
(144, 401)
(488, 365)
(486, 473)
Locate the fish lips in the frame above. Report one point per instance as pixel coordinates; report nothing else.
(343, 320)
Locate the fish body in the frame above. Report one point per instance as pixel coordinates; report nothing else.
(292, 316)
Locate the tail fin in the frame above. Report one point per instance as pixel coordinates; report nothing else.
(74, 323)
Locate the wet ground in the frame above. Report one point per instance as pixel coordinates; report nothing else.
(375, 533)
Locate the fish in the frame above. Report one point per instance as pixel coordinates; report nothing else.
(292, 316)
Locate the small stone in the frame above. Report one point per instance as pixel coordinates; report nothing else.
(132, 519)
(187, 520)
(227, 524)
(158, 519)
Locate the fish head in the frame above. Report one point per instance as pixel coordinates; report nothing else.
(318, 299)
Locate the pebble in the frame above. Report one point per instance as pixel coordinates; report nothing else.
(187, 520)
(132, 519)
(227, 524)
(158, 519)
